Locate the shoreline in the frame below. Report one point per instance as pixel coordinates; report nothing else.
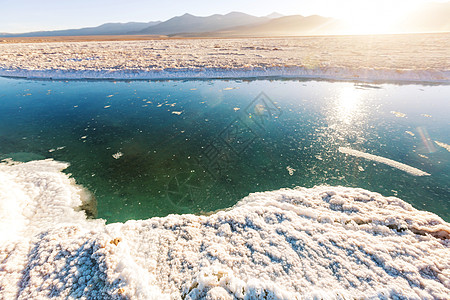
(276, 73)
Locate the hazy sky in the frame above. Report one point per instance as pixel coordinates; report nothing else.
(33, 15)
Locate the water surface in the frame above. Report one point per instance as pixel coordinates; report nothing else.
(153, 148)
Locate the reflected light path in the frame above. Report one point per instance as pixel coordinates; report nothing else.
(348, 103)
(346, 115)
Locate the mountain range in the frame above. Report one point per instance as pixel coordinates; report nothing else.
(433, 17)
(188, 23)
(104, 29)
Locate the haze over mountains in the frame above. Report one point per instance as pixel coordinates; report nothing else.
(188, 23)
(433, 17)
(286, 26)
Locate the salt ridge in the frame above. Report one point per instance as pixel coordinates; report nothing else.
(329, 242)
(384, 160)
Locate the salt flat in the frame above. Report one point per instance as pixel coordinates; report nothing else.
(415, 57)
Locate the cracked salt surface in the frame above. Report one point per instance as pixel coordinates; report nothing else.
(420, 57)
(329, 242)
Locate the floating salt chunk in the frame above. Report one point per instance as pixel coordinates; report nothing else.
(290, 170)
(58, 148)
(384, 160)
(177, 112)
(443, 145)
(117, 155)
(398, 114)
(236, 108)
(410, 133)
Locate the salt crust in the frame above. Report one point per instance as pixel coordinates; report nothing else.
(328, 242)
(384, 160)
(421, 58)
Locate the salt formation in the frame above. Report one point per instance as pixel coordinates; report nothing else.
(443, 145)
(384, 160)
(328, 242)
(388, 58)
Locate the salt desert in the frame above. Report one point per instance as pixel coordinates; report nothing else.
(327, 242)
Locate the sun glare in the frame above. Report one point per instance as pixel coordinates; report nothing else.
(364, 17)
(348, 102)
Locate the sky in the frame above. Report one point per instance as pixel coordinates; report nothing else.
(35, 15)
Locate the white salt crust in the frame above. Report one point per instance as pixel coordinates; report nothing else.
(384, 160)
(328, 242)
(420, 58)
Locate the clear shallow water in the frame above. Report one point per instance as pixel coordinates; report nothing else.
(153, 148)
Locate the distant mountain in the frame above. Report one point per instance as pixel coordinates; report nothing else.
(287, 26)
(274, 15)
(430, 17)
(105, 29)
(188, 23)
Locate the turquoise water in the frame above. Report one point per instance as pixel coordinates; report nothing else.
(154, 148)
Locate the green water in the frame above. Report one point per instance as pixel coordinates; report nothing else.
(154, 148)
